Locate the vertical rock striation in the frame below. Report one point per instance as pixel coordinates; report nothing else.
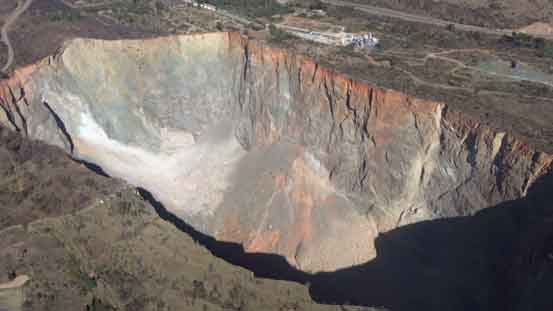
(253, 144)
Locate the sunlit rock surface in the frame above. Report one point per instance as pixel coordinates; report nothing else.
(254, 145)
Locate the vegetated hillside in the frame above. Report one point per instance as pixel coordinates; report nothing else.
(252, 8)
(88, 242)
(39, 181)
(292, 159)
(488, 13)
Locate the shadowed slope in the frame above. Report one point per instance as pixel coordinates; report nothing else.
(498, 259)
(494, 260)
(254, 145)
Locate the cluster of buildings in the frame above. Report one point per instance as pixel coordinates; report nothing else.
(359, 41)
(202, 5)
(337, 37)
(320, 37)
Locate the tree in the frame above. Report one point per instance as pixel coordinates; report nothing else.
(159, 7)
(539, 43)
(317, 5)
(277, 34)
(12, 275)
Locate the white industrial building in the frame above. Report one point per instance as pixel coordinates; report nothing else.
(360, 41)
(202, 5)
(208, 7)
(339, 38)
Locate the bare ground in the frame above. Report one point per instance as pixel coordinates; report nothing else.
(109, 249)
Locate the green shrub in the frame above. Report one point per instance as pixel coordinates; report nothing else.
(546, 51)
(519, 39)
(251, 8)
(64, 16)
(278, 35)
(542, 47)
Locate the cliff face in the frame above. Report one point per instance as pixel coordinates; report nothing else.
(254, 145)
(88, 242)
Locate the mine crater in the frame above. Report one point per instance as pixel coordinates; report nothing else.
(347, 183)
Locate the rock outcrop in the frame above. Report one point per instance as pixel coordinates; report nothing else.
(71, 239)
(255, 145)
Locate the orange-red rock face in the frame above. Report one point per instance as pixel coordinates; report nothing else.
(405, 159)
(329, 162)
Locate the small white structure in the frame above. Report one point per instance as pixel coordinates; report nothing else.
(208, 7)
(360, 41)
(320, 13)
(191, 2)
(366, 41)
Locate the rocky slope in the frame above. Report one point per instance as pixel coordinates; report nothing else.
(255, 145)
(508, 14)
(111, 251)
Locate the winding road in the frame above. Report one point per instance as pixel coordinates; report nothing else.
(21, 7)
(415, 18)
(89, 5)
(15, 283)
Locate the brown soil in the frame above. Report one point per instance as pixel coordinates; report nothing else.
(37, 178)
(494, 14)
(93, 243)
(538, 29)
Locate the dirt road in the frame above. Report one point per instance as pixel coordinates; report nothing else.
(416, 18)
(16, 283)
(106, 4)
(21, 7)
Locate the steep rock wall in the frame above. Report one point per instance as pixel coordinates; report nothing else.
(256, 145)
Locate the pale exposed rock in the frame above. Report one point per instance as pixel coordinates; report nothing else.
(538, 29)
(255, 145)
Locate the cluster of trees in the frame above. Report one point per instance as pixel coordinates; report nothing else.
(64, 16)
(278, 35)
(543, 47)
(309, 4)
(251, 8)
(140, 7)
(98, 305)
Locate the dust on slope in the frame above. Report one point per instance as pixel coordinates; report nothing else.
(38, 178)
(112, 251)
(538, 29)
(487, 13)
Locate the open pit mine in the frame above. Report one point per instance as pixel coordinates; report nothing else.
(252, 144)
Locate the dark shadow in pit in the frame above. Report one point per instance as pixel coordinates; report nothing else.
(93, 167)
(262, 265)
(499, 259)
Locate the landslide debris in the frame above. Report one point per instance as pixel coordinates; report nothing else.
(93, 243)
(388, 199)
(254, 145)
